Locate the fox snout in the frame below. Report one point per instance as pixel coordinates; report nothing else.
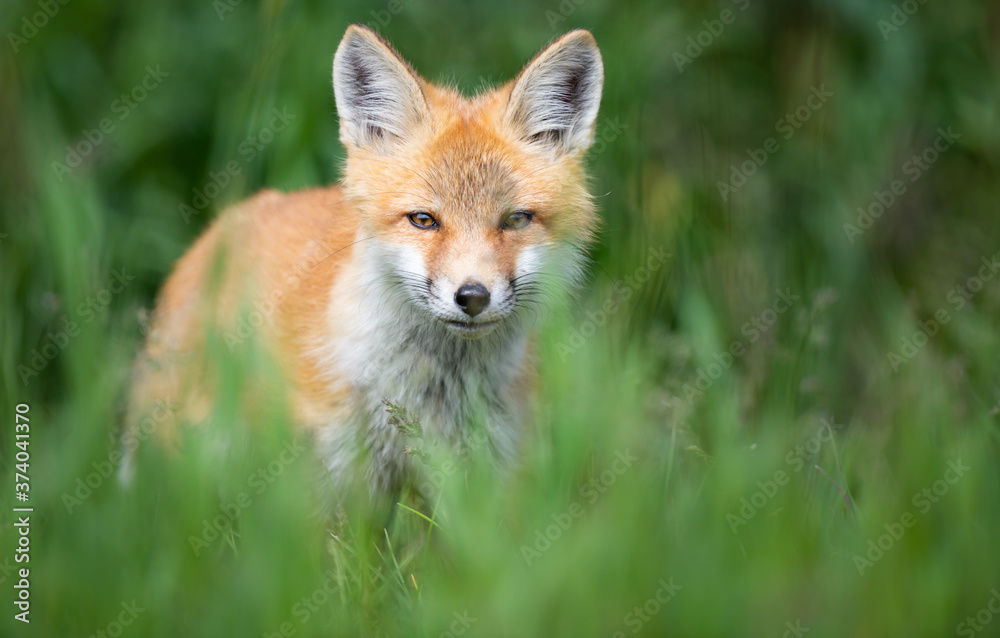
(472, 308)
(472, 314)
(472, 298)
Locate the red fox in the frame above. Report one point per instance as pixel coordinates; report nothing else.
(410, 281)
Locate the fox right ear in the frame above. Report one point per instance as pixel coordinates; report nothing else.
(379, 97)
(554, 101)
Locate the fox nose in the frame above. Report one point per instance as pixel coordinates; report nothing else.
(472, 298)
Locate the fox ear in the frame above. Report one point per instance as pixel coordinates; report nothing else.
(554, 100)
(379, 99)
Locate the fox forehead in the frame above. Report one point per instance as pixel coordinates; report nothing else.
(464, 164)
(469, 171)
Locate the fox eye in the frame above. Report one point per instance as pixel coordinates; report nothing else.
(517, 220)
(424, 221)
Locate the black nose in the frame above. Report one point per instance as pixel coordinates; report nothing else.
(472, 298)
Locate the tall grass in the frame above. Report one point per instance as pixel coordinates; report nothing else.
(712, 457)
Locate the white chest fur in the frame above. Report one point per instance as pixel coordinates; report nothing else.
(382, 346)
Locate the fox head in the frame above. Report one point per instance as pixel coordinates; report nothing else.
(474, 203)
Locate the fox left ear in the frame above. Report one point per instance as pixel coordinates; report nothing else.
(554, 100)
(379, 97)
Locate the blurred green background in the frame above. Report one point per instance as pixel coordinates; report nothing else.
(760, 438)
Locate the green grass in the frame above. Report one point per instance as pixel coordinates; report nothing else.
(747, 489)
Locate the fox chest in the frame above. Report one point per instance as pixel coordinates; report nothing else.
(446, 389)
(461, 393)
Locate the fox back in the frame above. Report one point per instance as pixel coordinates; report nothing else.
(416, 282)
